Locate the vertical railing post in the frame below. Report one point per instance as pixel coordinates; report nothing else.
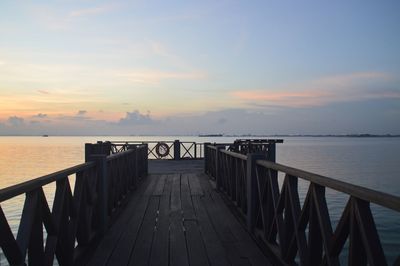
(251, 188)
(101, 161)
(136, 167)
(271, 155)
(206, 157)
(103, 192)
(88, 151)
(177, 150)
(146, 160)
(97, 148)
(195, 150)
(218, 157)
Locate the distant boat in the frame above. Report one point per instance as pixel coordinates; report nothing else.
(211, 135)
(45, 135)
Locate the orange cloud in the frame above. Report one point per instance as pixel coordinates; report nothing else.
(351, 87)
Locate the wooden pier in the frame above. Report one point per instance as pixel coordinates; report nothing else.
(209, 204)
(177, 218)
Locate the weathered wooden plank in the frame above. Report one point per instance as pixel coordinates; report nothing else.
(195, 246)
(230, 230)
(144, 240)
(186, 200)
(215, 250)
(196, 250)
(178, 250)
(158, 190)
(219, 222)
(125, 245)
(160, 248)
(115, 233)
(175, 194)
(194, 184)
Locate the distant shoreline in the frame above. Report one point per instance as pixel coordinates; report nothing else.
(324, 136)
(231, 135)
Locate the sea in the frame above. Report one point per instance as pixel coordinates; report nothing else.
(369, 162)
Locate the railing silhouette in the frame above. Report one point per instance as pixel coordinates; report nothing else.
(174, 150)
(78, 217)
(291, 232)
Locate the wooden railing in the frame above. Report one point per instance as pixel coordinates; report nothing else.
(172, 150)
(78, 217)
(295, 233)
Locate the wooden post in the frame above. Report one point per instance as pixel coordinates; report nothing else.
(217, 170)
(271, 155)
(146, 161)
(177, 150)
(251, 188)
(135, 169)
(88, 151)
(103, 192)
(98, 148)
(101, 161)
(206, 157)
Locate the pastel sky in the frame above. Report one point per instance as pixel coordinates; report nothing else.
(188, 67)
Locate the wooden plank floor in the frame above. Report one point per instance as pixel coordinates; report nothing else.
(177, 218)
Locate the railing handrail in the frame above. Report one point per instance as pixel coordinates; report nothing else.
(150, 141)
(235, 154)
(215, 146)
(292, 229)
(100, 187)
(119, 154)
(374, 196)
(21, 188)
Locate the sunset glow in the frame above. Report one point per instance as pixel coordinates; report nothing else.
(119, 67)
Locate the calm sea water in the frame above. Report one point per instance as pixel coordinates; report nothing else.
(369, 162)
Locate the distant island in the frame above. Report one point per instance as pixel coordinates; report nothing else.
(211, 135)
(322, 135)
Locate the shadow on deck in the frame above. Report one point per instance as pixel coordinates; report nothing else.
(175, 217)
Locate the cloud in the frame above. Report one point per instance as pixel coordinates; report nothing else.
(40, 115)
(156, 76)
(15, 121)
(43, 92)
(89, 11)
(81, 113)
(136, 118)
(342, 88)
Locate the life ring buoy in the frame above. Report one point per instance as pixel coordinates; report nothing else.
(162, 149)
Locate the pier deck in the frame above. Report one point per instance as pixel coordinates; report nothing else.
(176, 217)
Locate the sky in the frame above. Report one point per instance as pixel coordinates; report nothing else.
(199, 67)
